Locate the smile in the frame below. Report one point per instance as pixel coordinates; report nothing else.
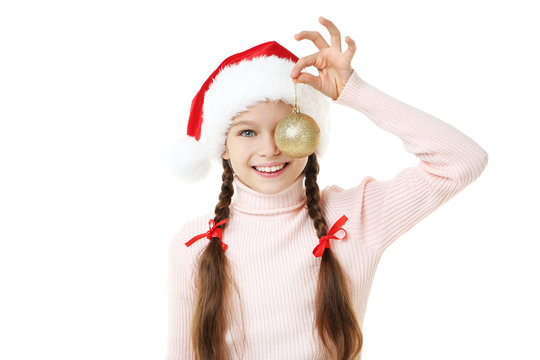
(270, 168)
(270, 171)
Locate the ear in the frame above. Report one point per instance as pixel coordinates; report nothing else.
(225, 154)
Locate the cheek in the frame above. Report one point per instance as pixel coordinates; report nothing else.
(302, 165)
(241, 148)
(238, 154)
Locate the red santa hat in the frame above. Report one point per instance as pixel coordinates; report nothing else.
(240, 81)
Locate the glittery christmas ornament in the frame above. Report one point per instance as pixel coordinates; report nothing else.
(297, 135)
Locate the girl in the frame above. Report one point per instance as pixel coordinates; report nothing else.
(283, 270)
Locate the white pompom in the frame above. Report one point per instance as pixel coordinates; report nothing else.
(189, 160)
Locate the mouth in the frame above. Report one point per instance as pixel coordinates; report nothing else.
(273, 170)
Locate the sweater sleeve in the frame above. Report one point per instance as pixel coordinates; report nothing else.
(449, 161)
(181, 299)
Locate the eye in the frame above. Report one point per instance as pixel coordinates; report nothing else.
(248, 131)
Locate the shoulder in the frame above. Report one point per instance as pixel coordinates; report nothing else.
(335, 196)
(194, 226)
(337, 201)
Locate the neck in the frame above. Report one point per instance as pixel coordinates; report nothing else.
(250, 201)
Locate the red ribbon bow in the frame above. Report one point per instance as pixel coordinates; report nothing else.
(214, 231)
(324, 242)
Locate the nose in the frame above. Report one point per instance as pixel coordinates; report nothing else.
(268, 146)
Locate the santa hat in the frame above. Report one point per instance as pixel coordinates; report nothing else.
(242, 80)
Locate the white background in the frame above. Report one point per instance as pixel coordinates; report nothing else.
(92, 93)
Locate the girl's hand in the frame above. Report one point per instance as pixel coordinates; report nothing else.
(333, 65)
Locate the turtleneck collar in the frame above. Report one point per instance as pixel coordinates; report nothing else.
(250, 201)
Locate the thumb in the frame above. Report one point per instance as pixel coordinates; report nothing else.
(307, 78)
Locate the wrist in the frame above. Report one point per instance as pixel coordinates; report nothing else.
(346, 80)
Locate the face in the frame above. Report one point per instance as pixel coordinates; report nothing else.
(250, 143)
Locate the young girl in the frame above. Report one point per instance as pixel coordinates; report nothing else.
(283, 270)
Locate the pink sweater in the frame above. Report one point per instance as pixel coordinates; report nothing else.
(271, 238)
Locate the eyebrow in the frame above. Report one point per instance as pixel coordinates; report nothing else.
(247, 122)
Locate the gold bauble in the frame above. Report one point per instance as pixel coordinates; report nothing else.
(297, 135)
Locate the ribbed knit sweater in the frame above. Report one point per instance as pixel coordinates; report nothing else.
(271, 237)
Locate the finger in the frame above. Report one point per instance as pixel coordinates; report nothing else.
(312, 80)
(314, 36)
(351, 48)
(335, 35)
(303, 63)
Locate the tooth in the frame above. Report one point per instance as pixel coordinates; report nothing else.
(271, 168)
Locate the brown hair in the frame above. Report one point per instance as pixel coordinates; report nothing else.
(335, 319)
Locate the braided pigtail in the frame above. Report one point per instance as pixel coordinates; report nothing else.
(335, 318)
(209, 323)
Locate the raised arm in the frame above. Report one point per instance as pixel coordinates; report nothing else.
(449, 161)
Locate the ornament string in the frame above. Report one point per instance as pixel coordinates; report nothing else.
(296, 109)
